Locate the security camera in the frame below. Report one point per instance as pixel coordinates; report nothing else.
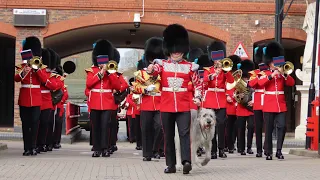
(136, 20)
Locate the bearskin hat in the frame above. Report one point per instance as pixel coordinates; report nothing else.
(46, 57)
(116, 55)
(34, 44)
(53, 59)
(194, 54)
(246, 66)
(175, 39)
(273, 49)
(216, 46)
(204, 61)
(102, 47)
(153, 49)
(258, 54)
(236, 60)
(141, 65)
(58, 60)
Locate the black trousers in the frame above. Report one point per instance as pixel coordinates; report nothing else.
(57, 128)
(30, 121)
(43, 127)
(90, 141)
(100, 135)
(49, 138)
(259, 122)
(242, 121)
(280, 120)
(220, 130)
(137, 130)
(113, 128)
(231, 131)
(183, 120)
(132, 135)
(151, 132)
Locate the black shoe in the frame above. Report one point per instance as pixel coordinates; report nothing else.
(214, 156)
(49, 147)
(26, 153)
(110, 151)
(231, 151)
(239, 151)
(56, 146)
(243, 153)
(138, 148)
(225, 149)
(249, 151)
(279, 155)
(96, 154)
(38, 150)
(42, 148)
(259, 155)
(169, 170)
(156, 155)
(106, 153)
(146, 159)
(222, 154)
(92, 149)
(187, 168)
(269, 157)
(162, 154)
(114, 148)
(33, 152)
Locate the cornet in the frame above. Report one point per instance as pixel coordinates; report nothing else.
(226, 64)
(111, 66)
(35, 62)
(287, 68)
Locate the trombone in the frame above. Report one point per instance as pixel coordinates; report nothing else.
(226, 64)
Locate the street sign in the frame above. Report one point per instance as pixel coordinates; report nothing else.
(241, 51)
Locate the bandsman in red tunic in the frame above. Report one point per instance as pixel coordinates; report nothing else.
(215, 94)
(150, 89)
(257, 95)
(274, 102)
(30, 99)
(101, 82)
(231, 127)
(244, 110)
(175, 75)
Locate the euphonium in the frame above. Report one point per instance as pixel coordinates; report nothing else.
(226, 64)
(151, 80)
(35, 62)
(287, 68)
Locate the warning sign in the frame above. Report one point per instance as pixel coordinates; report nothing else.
(241, 51)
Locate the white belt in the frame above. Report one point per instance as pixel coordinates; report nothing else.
(216, 90)
(30, 86)
(274, 92)
(45, 91)
(156, 94)
(259, 90)
(174, 89)
(101, 90)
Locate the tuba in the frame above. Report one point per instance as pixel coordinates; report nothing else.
(226, 64)
(35, 62)
(242, 93)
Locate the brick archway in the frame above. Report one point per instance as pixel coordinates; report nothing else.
(123, 17)
(8, 29)
(287, 33)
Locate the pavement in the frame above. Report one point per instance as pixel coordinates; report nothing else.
(75, 162)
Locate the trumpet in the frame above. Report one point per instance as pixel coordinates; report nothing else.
(287, 68)
(226, 64)
(35, 62)
(111, 66)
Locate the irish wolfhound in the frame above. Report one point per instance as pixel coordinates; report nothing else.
(202, 131)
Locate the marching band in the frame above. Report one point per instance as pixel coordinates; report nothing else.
(169, 87)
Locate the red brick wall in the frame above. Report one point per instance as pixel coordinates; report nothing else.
(239, 22)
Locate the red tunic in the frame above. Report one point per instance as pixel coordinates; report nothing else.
(149, 102)
(243, 111)
(131, 111)
(231, 106)
(274, 98)
(175, 77)
(215, 95)
(30, 92)
(258, 90)
(101, 90)
(52, 84)
(63, 100)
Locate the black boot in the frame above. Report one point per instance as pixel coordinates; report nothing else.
(169, 170)
(214, 155)
(138, 148)
(49, 147)
(156, 155)
(222, 154)
(269, 157)
(26, 153)
(114, 148)
(146, 159)
(56, 146)
(110, 151)
(249, 151)
(243, 153)
(259, 155)
(225, 149)
(279, 154)
(106, 153)
(187, 168)
(42, 148)
(231, 151)
(96, 154)
(33, 152)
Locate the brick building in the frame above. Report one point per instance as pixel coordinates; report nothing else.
(73, 25)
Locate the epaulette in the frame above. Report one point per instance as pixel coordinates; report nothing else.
(253, 75)
(261, 73)
(53, 75)
(19, 66)
(43, 66)
(65, 86)
(62, 78)
(206, 68)
(89, 70)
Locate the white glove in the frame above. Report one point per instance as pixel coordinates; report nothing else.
(112, 71)
(150, 87)
(197, 101)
